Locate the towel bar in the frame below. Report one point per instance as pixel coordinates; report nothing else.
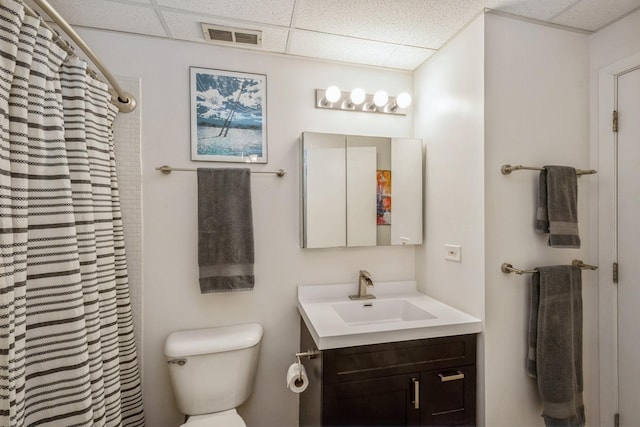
(165, 169)
(507, 169)
(508, 268)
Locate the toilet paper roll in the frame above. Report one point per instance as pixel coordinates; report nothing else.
(297, 379)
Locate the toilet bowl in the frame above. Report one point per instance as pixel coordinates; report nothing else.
(212, 372)
(228, 418)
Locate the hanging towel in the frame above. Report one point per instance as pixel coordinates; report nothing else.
(555, 343)
(557, 212)
(225, 230)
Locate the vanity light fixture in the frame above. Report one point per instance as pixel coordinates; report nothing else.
(380, 98)
(333, 98)
(331, 95)
(356, 97)
(403, 100)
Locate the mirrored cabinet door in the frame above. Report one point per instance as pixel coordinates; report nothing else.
(361, 190)
(406, 190)
(361, 196)
(325, 191)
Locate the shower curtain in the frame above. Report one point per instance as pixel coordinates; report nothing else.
(67, 350)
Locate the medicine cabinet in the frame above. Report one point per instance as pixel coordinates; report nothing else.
(361, 190)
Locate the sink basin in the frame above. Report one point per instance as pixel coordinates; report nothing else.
(398, 313)
(378, 311)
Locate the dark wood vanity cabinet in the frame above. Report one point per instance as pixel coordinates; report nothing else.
(429, 382)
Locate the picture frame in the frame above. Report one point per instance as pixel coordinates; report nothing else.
(228, 116)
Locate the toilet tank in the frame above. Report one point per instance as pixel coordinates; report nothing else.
(213, 369)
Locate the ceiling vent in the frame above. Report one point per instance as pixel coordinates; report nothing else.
(228, 35)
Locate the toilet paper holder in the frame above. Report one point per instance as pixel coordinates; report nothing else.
(311, 354)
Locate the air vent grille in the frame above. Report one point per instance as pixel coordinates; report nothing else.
(228, 35)
(220, 35)
(246, 38)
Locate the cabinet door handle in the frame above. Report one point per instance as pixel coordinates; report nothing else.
(416, 393)
(451, 376)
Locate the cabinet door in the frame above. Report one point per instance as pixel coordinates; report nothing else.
(325, 202)
(447, 397)
(386, 401)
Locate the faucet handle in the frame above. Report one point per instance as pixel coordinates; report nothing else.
(365, 274)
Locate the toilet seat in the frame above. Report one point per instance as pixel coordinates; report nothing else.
(228, 418)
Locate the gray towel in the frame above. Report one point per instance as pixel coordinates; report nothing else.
(225, 230)
(557, 212)
(555, 343)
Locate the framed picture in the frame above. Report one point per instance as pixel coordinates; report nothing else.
(228, 116)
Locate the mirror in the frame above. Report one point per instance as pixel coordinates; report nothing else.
(361, 190)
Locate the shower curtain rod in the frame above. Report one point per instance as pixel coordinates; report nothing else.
(125, 102)
(508, 268)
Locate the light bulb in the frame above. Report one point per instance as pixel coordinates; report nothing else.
(332, 94)
(403, 100)
(357, 96)
(380, 98)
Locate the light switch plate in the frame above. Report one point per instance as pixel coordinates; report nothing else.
(452, 253)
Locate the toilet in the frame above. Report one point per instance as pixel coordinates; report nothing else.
(212, 372)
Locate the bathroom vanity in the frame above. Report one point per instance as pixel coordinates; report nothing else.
(429, 382)
(408, 366)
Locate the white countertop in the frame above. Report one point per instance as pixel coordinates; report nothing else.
(329, 330)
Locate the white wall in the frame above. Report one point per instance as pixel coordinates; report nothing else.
(536, 114)
(171, 297)
(612, 50)
(449, 89)
(450, 111)
(615, 42)
(503, 91)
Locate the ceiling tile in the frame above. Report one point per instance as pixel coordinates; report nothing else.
(187, 27)
(418, 23)
(379, 20)
(338, 48)
(538, 9)
(435, 21)
(408, 58)
(275, 12)
(111, 16)
(595, 14)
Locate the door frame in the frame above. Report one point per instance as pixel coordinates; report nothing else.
(604, 154)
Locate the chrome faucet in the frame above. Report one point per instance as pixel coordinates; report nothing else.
(364, 282)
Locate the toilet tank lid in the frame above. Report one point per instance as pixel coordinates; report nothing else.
(195, 342)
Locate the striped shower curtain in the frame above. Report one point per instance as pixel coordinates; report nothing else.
(67, 350)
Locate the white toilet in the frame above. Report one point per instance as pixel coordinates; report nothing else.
(212, 372)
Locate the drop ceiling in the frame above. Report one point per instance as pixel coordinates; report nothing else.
(399, 34)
